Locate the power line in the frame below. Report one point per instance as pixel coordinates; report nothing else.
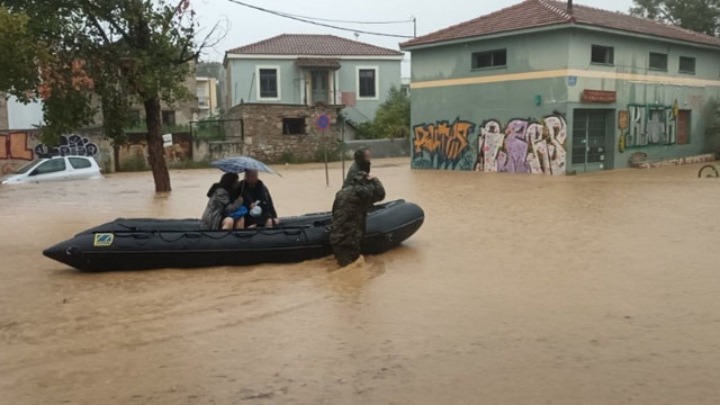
(351, 21)
(308, 21)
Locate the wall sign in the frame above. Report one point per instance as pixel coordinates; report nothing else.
(599, 96)
(572, 81)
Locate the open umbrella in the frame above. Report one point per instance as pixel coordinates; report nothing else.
(241, 164)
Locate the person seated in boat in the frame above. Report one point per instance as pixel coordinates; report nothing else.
(362, 157)
(259, 203)
(349, 214)
(225, 209)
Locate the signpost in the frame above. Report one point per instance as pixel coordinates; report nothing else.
(322, 123)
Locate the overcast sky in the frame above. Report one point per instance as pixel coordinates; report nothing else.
(246, 25)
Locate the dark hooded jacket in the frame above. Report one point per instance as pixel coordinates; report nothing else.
(258, 193)
(360, 165)
(349, 215)
(218, 207)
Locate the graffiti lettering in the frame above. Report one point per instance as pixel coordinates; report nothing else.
(15, 146)
(523, 147)
(442, 142)
(70, 145)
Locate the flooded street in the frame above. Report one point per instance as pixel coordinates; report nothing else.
(597, 289)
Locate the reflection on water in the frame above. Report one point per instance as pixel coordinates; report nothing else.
(594, 289)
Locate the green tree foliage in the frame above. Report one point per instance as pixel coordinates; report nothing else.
(20, 55)
(698, 15)
(392, 119)
(108, 55)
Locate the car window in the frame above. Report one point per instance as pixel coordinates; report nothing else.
(51, 166)
(79, 163)
(26, 168)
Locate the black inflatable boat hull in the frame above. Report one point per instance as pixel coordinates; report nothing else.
(139, 244)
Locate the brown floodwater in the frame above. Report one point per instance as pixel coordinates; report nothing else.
(596, 289)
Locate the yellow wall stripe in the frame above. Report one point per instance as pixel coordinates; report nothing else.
(562, 73)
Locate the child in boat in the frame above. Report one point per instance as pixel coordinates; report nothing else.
(222, 211)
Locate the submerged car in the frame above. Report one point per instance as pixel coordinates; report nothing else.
(57, 168)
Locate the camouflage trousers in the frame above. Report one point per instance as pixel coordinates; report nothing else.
(346, 245)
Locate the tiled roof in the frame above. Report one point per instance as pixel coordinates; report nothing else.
(310, 44)
(542, 13)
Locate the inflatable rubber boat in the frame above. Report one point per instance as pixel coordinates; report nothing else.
(137, 244)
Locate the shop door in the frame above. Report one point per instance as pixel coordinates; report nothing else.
(591, 145)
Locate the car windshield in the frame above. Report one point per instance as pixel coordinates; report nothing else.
(26, 168)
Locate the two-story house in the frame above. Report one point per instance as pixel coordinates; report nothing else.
(207, 96)
(276, 86)
(550, 87)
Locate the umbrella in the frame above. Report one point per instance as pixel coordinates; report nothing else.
(240, 164)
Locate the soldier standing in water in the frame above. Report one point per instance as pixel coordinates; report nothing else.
(349, 215)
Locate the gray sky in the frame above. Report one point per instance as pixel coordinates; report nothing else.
(246, 26)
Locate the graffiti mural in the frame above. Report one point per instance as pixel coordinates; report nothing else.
(70, 145)
(520, 146)
(441, 145)
(651, 125)
(524, 146)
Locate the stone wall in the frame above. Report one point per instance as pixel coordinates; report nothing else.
(261, 131)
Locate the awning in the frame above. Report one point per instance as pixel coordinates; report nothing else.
(320, 63)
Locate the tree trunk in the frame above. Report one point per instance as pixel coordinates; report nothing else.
(156, 151)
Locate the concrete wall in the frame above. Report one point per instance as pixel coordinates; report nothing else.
(242, 82)
(3, 112)
(520, 118)
(381, 148)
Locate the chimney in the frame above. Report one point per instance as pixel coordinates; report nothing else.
(570, 7)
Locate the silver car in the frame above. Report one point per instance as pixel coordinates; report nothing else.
(58, 168)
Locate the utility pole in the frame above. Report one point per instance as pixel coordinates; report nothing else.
(414, 20)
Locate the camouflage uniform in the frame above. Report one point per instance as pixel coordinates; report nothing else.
(349, 215)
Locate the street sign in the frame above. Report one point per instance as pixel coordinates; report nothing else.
(322, 122)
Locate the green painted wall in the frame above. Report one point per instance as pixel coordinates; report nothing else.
(505, 100)
(243, 84)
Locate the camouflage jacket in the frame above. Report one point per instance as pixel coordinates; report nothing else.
(350, 209)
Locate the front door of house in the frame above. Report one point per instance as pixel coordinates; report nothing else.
(319, 85)
(591, 144)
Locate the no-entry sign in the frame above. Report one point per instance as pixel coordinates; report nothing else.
(322, 121)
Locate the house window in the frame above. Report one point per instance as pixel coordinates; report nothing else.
(293, 126)
(168, 117)
(496, 58)
(658, 61)
(687, 65)
(367, 83)
(268, 78)
(134, 117)
(604, 55)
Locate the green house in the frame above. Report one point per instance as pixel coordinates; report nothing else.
(550, 88)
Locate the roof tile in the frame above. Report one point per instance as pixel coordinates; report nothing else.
(311, 44)
(541, 13)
